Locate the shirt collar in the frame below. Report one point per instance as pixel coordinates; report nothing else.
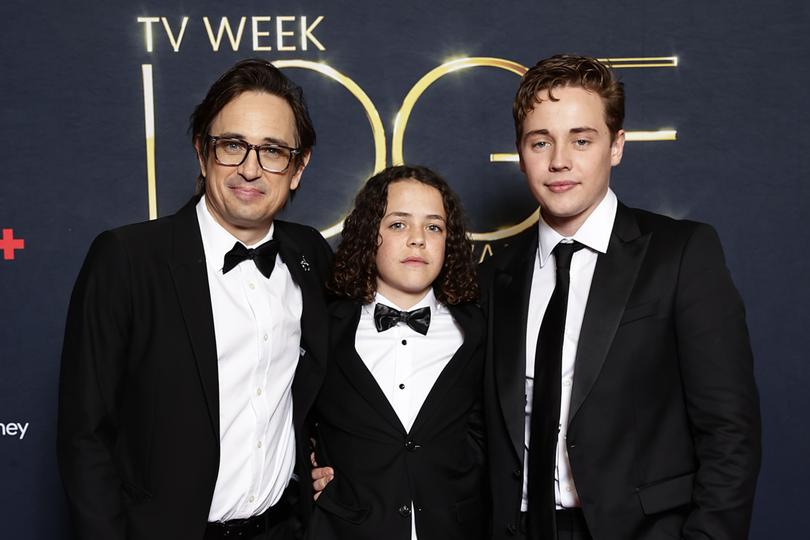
(216, 240)
(429, 300)
(594, 233)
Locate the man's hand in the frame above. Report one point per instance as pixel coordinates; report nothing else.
(321, 476)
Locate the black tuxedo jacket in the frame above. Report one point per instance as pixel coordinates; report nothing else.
(379, 467)
(664, 426)
(138, 428)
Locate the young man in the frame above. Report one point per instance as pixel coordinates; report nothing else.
(620, 395)
(194, 343)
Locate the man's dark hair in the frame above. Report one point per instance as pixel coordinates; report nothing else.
(252, 75)
(355, 270)
(568, 70)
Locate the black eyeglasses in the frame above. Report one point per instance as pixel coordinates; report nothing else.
(273, 158)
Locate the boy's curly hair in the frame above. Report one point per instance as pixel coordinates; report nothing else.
(355, 271)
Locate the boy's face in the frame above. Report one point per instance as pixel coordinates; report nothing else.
(412, 239)
(566, 153)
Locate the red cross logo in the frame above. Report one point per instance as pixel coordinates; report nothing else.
(8, 244)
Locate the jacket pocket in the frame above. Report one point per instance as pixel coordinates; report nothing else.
(666, 494)
(639, 311)
(329, 501)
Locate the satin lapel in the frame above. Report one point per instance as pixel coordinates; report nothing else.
(191, 283)
(345, 317)
(509, 313)
(314, 330)
(613, 279)
(473, 330)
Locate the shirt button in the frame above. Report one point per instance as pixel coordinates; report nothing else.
(402, 386)
(567, 382)
(251, 498)
(569, 489)
(252, 286)
(266, 337)
(259, 444)
(258, 391)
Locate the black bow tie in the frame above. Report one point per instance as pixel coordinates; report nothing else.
(264, 256)
(386, 317)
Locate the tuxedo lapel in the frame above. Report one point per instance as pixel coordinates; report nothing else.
(345, 317)
(191, 283)
(312, 362)
(613, 279)
(509, 312)
(473, 330)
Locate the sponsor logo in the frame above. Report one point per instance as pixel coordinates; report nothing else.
(13, 429)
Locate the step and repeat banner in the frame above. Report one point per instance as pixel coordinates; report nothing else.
(94, 105)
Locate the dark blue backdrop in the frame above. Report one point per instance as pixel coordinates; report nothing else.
(73, 153)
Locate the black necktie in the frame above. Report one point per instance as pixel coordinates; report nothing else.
(545, 420)
(386, 317)
(264, 256)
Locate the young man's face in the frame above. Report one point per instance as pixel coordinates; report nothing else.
(566, 154)
(412, 241)
(244, 199)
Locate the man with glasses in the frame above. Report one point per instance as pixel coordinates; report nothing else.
(194, 343)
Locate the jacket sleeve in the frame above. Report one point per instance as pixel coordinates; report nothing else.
(90, 387)
(721, 396)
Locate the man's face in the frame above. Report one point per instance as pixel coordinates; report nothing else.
(412, 232)
(566, 154)
(245, 199)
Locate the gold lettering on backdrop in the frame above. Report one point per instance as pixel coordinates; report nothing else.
(280, 34)
(398, 142)
(307, 35)
(486, 251)
(641, 62)
(665, 134)
(284, 35)
(225, 27)
(148, 30)
(149, 131)
(377, 129)
(175, 42)
(256, 34)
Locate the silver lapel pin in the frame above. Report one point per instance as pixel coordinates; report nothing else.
(304, 263)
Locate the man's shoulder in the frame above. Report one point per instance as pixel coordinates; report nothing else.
(664, 225)
(150, 237)
(511, 251)
(142, 229)
(674, 236)
(304, 237)
(297, 230)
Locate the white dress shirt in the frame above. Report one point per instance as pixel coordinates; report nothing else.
(594, 234)
(257, 325)
(405, 363)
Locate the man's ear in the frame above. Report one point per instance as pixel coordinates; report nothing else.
(520, 158)
(302, 164)
(617, 148)
(200, 156)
